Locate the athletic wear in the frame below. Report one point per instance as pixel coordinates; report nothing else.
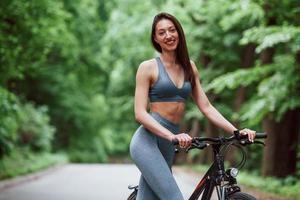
(164, 90)
(153, 156)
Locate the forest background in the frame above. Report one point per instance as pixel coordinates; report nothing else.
(67, 78)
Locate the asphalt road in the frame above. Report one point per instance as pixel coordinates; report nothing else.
(84, 182)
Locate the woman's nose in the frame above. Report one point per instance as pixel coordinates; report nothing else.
(168, 34)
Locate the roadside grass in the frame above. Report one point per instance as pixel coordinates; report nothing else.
(286, 187)
(22, 162)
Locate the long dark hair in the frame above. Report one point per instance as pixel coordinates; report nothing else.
(182, 54)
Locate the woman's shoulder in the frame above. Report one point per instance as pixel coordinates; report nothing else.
(194, 67)
(147, 65)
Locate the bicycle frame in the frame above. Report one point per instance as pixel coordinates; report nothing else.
(214, 178)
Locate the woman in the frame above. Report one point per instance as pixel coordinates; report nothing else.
(167, 80)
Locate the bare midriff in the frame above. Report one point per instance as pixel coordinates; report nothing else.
(172, 111)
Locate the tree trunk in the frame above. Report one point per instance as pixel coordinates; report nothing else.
(280, 153)
(280, 157)
(206, 156)
(247, 60)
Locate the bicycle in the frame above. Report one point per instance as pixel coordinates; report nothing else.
(217, 177)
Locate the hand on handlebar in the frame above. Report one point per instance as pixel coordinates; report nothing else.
(183, 139)
(251, 134)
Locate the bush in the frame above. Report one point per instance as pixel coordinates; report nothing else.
(288, 186)
(92, 152)
(9, 107)
(34, 128)
(23, 125)
(22, 161)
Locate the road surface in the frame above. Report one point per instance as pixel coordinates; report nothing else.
(84, 181)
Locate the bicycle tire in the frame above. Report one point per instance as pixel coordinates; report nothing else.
(241, 196)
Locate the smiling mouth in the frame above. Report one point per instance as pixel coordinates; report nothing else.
(171, 42)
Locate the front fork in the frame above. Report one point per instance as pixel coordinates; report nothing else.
(225, 181)
(221, 192)
(224, 190)
(216, 177)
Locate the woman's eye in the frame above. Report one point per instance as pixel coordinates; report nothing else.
(172, 30)
(161, 33)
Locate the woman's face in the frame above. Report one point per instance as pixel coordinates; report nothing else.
(166, 35)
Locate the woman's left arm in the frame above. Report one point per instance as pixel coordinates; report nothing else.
(210, 111)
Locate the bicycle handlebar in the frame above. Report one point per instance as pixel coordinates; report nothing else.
(261, 135)
(236, 136)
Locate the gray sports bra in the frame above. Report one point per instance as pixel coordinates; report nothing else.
(164, 90)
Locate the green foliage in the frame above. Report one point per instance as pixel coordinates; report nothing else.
(217, 31)
(23, 125)
(22, 161)
(34, 128)
(9, 107)
(277, 92)
(57, 64)
(280, 11)
(72, 64)
(117, 142)
(241, 15)
(91, 151)
(288, 187)
(127, 44)
(30, 30)
(237, 78)
(276, 86)
(268, 37)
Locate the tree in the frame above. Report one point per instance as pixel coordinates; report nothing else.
(276, 100)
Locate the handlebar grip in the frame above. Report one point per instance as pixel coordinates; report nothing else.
(261, 135)
(176, 142)
(257, 135)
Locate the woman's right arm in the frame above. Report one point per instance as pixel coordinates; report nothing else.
(143, 81)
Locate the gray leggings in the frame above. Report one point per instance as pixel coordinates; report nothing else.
(153, 156)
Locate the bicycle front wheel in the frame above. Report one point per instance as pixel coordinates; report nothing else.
(241, 196)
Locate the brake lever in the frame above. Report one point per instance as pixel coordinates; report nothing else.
(197, 145)
(190, 148)
(202, 145)
(245, 142)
